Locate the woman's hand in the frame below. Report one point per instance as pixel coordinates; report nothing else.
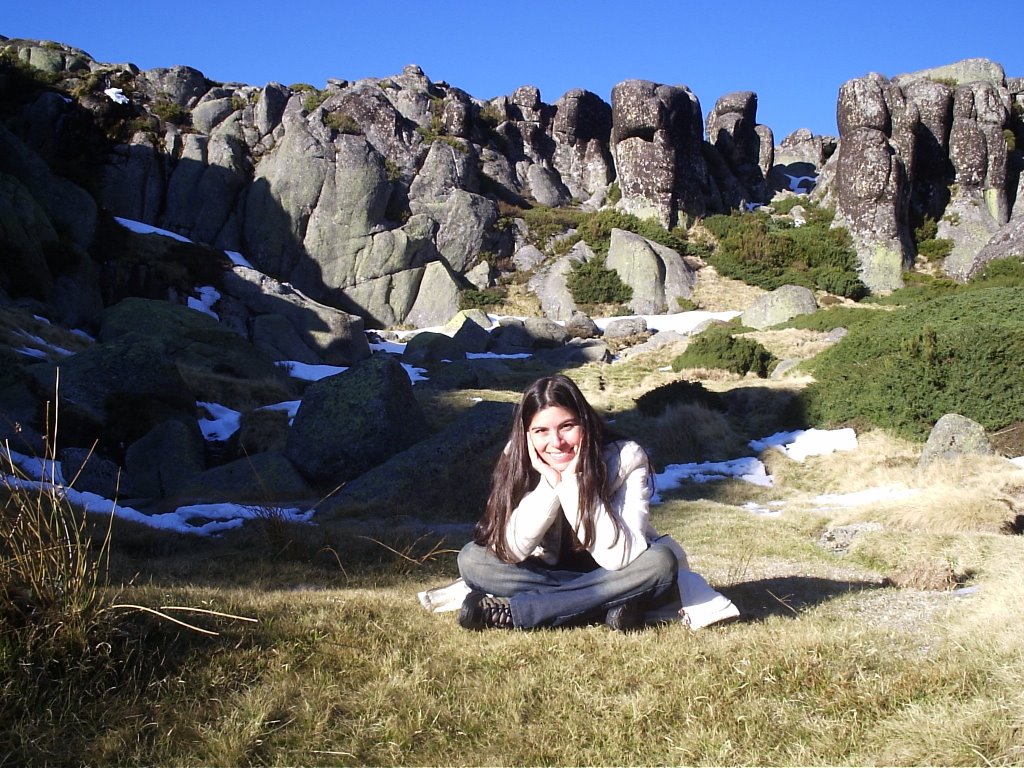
(549, 473)
(546, 471)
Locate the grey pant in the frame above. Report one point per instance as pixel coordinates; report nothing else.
(542, 595)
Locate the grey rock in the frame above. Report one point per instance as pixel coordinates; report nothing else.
(181, 85)
(87, 471)
(116, 390)
(657, 275)
(576, 352)
(437, 298)
(527, 257)
(550, 283)
(416, 481)
(510, 338)
(164, 460)
(353, 421)
(545, 333)
(449, 166)
(470, 330)
(952, 436)
(778, 306)
(657, 143)
(581, 326)
(264, 480)
(277, 335)
(209, 114)
(1007, 242)
(625, 327)
(429, 347)
(337, 337)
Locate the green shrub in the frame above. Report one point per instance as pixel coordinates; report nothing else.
(590, 282)
(718, 348)
(481, 299)
(929, 245)
(313, 99)
(596, 230)
(655, 401)
(171, 112)
(614, 194)
(830, 319)
(760, 251)
(959, 353)
(545, 223)
(343, 123)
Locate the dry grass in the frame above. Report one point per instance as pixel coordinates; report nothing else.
(715, 293)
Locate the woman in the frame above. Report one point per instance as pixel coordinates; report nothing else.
(565, 537)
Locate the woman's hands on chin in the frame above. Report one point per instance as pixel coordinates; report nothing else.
(549, 473)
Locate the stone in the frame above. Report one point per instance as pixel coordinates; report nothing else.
(658, 275)
(262, 479)
(425, 480)
(428, 348)
(165, 459)
(953, 436)
(353, 421)
(778, 306)
(581, 326)
(625, 327)
(545, 333)
(437, 298)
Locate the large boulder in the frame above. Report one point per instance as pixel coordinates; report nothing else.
(337, 337)
(778, 306)
(657, 274)
(445, 476)
(657, 143)
(116, 391)
(550, 283)
(165, 459)
(1007, 243)
(201, 349)
(355, 420)
(262, 480)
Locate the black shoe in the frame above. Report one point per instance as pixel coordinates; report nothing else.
(626, 617)
(480, 611)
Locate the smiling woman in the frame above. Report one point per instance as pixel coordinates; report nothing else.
(565, 538)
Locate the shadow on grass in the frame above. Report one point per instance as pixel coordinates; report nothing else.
(789, 596)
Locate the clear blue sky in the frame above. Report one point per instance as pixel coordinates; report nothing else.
(794, 55)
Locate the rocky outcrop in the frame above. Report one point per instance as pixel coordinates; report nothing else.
(657, 142)
(747, 148)
(952, 436)
(929, 144)
(871, 184)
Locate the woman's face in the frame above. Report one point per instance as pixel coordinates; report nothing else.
(556, 434)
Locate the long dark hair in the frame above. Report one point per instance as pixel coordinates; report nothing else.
(514, 476)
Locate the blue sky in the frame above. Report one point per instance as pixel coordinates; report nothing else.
(794, 55)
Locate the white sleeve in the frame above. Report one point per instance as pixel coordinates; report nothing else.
(530, 520)
(629, 503)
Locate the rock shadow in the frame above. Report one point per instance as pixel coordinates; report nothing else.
(789, 596)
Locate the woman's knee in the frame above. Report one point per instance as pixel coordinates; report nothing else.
(471, 559)
(663, 559)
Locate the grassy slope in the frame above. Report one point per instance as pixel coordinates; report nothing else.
(841, 658)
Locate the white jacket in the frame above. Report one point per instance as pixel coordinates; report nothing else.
(533, 528)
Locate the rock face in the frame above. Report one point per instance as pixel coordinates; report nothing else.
(929, 144)
(747, 148)
(657, 142)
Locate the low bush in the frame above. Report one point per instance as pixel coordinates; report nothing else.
(482, 299)
(959, 353)
(655, 401)
(596, 230)
(758, 250)
(590, 282)
(717, 347)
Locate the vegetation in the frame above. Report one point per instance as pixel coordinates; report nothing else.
(342, 122)
(929, 245)
(717, 347)
(171, 112)
(590, 282)
(958, 353)
(768, 253)
(488, 298)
